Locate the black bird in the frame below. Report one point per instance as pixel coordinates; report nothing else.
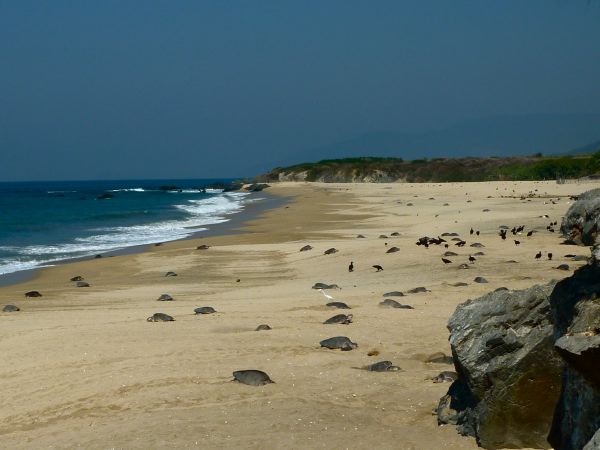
(550, 256)
(472, 259)
(538, 255)
(477, 232)
(529, 233)
(471, 232)
(517, 242)
(446, 245)
(351, 267)
(446, 261)
(378, 267)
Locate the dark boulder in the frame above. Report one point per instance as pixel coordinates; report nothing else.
(509, 375)
(256, 187)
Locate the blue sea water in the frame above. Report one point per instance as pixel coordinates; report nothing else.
(44, 222)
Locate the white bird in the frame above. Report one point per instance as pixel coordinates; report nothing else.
(327, 296)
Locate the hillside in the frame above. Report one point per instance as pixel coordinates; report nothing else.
(375, 169)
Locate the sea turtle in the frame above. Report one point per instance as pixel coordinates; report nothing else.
(382, 236)
(203, 247)
(394, 294)
(395, 233)
(339, 305)
(439, 358)
(306, 248)
(33, 294)
(160, 317)
(325, 286)
(11, 308)
(205, 310)
(389, 303)
(480, 280)
(382, 366)
(500, 289)
(331, 251)
(450, 254)
(445, 376)
(263, 327)
(341, 342)
(360, 236)
(82, 284)
(170, 274)
(477, 245)
(77, 278)
(479, 254)
(459, 284)
(252, 377)
(393, 250)
(165, 298)
(340, 318)
(562, 267)
(418, 289)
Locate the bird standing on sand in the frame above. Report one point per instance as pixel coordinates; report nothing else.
(549, 256)
(517, 242)
(351, 267)
(471, 231)
(472, 259)
(538, 255)
(530, 233)
(378, 267)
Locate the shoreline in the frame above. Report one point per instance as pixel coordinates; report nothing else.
(234, 224)
(83, 365)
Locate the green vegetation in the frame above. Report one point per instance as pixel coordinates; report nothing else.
(535, 167)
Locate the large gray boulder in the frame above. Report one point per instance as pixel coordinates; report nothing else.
(509, 375)
(575, 308)
(594, 443)
(580, 224)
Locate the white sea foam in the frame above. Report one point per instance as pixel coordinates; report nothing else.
(207, 211)
(128, 190)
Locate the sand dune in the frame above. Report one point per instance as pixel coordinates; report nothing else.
(83, 369)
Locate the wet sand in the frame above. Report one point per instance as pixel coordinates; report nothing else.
(83, 369)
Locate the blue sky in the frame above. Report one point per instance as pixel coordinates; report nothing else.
(183, 89)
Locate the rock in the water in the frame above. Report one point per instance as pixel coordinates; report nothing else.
(33, 294)
(341, 342)
(165, 298)
(205, 310)
(393, 294)
(338, 305)
(331, 251)
(325, 286)
(252, 377)
(580, 224)
(105, 196)
(509, 374)
(160, 317)
(340, 318)
(263, 327)
(11, 308)
(306, 248)
(382, 366)
(389, 303)
(480, 280)
(393, 250)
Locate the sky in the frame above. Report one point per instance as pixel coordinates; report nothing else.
(195, 89)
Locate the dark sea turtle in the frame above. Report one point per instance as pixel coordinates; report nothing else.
(389, 303)
(393, 250)
(449, 234)
(395, 233)
(418, 289)
(360, 236)
(394, 294)
(331, 251)
(263, 327)
(448, 253)
(459, 284)
(306, 248)
(33, 294)
(464, 266)
(160, 317)
(325, 286)
(203, 247)
(477, 245)
(165, 298)
(170, 274)
(479, 254)
(205, 310)
(500, 289)
(82, 284)
(341, 342)
(480, 280)
(382, 236)
(340, 318)
(439, 358)
(11, 308)
(338, 305)
(562, 267)
(77, 278)
(445, 376)
(252, 377)
(382, 366)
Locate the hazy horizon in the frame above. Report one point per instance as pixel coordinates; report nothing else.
(181, 90)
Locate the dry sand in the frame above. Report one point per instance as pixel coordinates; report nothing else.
(81, 367)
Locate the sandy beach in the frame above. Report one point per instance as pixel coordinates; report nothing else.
(82, 368)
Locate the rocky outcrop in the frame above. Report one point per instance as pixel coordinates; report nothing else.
(256, 187)
(509, 375)
(594, 443)
(575, 309)
(580, 224)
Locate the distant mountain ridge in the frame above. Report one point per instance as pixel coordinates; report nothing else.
(516, 135)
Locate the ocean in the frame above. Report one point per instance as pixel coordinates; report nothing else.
(45, 222)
